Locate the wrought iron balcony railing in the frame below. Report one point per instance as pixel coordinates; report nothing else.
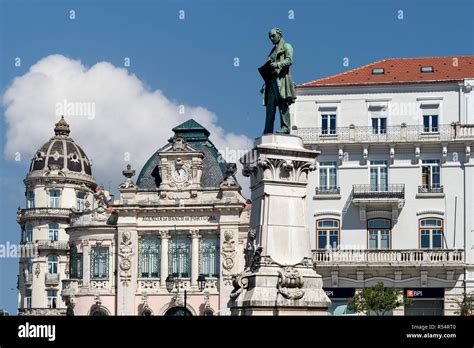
(328, 190)
(378, 192)
(430, 189)
(402, 133)
(388, 256)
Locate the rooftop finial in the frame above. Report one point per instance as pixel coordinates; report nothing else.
(62, 127)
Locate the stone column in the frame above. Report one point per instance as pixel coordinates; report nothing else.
(165, 236)
(127, 270)
(86, 263)
(194, 234)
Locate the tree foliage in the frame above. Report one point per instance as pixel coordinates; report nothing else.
(377, 299)
(466, 305)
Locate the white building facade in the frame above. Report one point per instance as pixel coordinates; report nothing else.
(59, 182)
(392, 197)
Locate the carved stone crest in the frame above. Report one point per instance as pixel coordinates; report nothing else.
(290, 283)
(179, 144)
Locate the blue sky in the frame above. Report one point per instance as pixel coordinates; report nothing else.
(191, 60)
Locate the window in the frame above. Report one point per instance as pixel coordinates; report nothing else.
(426, 69)
(54, 198)
(29, 233)
(53, 231)
(28, 298)
(209, 256)
(99, 262)
(327, 232)
(180, 256)
(30, 199)
(378, 175)
(430, 174)
(431, 233)
(80, 201)
(52, 298)
(52, 264)
(327, 176)
(29, 265)
(379, 125)
(379, 233)
(430, 118)
(378, 71)
(149, 250)
(328, 124)
(75, 271)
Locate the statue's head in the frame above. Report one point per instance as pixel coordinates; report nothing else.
(275, 35)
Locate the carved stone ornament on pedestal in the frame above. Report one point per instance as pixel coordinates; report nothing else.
(228, 253)
(290, 283)
(125, 254)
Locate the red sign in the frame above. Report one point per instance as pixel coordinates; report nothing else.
(410, 293)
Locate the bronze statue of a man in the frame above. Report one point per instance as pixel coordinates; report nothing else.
(279, 89)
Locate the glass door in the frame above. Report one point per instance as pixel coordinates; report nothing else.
(378, 176)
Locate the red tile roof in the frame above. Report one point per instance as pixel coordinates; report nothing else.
(402, 71)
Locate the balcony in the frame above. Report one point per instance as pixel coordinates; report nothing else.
(47, 213)
(430, 189)
(70, 287)
(51, 278)
(42, 311)
(328, 191)
(402, 133)
(389, 257)
(46, 244)
(379, 193)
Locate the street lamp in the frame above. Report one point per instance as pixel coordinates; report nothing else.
(172, 282)
(201, 282)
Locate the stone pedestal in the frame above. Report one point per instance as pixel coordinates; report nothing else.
(278, 278)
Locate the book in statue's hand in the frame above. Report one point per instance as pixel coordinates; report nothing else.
(267, 71)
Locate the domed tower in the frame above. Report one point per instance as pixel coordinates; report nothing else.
(59, 182)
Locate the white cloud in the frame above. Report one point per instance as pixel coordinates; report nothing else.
(127, 117)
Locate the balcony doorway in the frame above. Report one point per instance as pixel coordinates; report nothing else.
(378, 175)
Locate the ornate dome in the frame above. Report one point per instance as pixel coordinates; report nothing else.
(215, 169)
(61, 153)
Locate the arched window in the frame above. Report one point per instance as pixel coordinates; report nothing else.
(178, 311)
(431, 233)
(99, 311)
(53, 231)
(327, 234)
(147, 312)
(208, 312)
(52, 264)
(379, 233)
